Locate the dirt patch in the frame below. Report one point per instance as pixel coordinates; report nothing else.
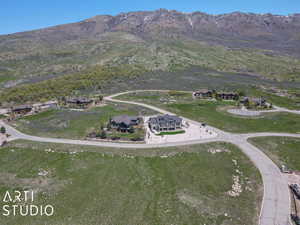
(203, 204)
(38, 184)
(214, 151)
(191, 201)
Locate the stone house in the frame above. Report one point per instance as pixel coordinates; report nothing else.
(257, 102)
(80, 102)
(165, 123)
(45, 106)
(227, 95)
(124, 123)
(21, 110)
(203, 93)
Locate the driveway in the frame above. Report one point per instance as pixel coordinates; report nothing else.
(192, 132)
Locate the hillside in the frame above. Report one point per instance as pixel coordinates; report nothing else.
(264, 45)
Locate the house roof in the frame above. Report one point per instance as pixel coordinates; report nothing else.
(165, 119)
(21, 107)
(203, 91)
(128, 120)
(227, 93)
(79, 100)
(258, 100)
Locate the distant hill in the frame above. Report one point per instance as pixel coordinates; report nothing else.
(266, 45)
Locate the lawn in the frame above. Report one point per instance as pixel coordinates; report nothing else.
(214, 113)
(282, 150)
(210, 113)
(65, 123)
(172, 132)
(178, 185)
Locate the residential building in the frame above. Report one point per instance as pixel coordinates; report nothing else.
(124, 123)
(227, 95)
(165, 123)
(80, 102)
(257, 102)
(203, 93)
(21, 110)
(45, 106)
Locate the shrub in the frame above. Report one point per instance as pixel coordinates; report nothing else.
(2, 130)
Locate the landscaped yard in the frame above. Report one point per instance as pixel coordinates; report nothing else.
(282, 150)
(75, 124)
(179, 185)
(171, 132)
(214, 113)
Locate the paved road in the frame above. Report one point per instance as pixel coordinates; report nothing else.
(276, 202)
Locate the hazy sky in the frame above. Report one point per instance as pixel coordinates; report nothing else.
(21, 15)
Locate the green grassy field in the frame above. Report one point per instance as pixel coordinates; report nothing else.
(178, 185)
(75, 124)
(208, 112)
(282, 150)
(214, 113)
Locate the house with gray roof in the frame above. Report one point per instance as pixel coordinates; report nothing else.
(79, 102)
(257, 102)
(21, 109)
(227, 95)
(165, 123)
(203, 93)
(124, 123)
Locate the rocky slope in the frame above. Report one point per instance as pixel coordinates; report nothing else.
(268, 45)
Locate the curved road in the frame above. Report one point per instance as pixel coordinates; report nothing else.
(276, 201)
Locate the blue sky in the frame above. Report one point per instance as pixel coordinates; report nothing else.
(21, 15)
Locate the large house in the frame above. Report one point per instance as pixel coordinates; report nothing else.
(257, 102)
(45, 105)
(227, 95)
(203, 93)
(124, 123)
(21, 110)
(165, 123)
(80, 102)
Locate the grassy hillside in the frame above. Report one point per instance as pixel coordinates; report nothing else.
(93, 79)
(183, 185)
(38, 60)
(282, 150)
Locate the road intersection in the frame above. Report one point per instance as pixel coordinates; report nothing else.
(275, 208)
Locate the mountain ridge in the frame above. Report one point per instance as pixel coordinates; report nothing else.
(259, 44)
(292, 15)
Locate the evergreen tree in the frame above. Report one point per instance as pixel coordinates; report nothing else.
(2, 130)
(103, 134)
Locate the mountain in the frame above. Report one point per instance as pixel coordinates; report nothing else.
(257, 44)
